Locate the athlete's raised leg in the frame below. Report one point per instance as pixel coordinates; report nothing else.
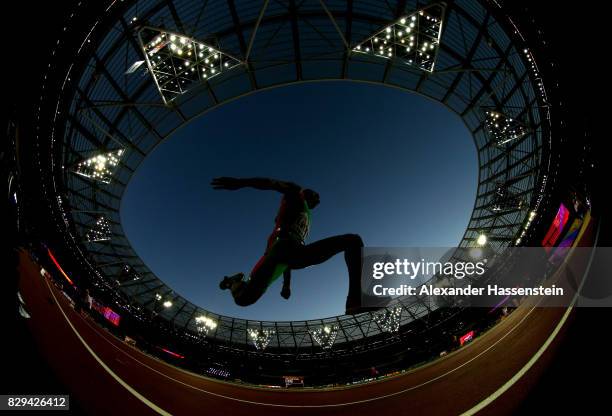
(322, 250)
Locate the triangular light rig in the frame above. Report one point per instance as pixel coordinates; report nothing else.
(502, 128)
(178, 62)
(260, 337)
(325, 336)
(100, 167)
(506, 199)
(413, 39)
(204, 324)
(389, 320)
(100, 231)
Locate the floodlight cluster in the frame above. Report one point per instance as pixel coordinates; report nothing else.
(389, 320)
(204, 324)
(325, 336)
(100, 167)
(260, 337)
(413, 39)
(100, 231)
(503, 129)
(178, 62)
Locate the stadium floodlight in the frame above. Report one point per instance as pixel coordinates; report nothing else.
(100, 231)
(413, 39)
(481, 240)
(389, 320)
(260, 337)
(167, 304)
(178, 62)
(158, 296)
(99, 167)
(325, 336)
(503, 129)
(204, 324)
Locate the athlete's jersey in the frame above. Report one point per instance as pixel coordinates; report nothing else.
(293, 219)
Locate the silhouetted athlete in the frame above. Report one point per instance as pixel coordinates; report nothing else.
(286, 249)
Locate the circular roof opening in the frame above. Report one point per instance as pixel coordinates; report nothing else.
(387, 164)
(141, 73)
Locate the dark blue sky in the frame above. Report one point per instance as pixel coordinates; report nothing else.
(394, 167)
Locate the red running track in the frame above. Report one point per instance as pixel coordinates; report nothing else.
(107, 376)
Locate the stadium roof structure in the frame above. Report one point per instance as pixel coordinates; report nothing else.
(139, 75)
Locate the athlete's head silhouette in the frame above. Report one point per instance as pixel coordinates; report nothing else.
(311, 197)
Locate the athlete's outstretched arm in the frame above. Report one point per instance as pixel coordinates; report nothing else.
(265, 184)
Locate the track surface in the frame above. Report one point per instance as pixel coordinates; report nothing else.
(107, 376)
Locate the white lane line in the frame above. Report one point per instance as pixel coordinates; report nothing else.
(508, 384)
(371, 399)
(496, 394)
(479, 406)
(129, 388)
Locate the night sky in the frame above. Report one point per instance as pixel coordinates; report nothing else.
(394, 167)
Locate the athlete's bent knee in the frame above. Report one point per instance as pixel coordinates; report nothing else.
(247, 294)
(354, 240)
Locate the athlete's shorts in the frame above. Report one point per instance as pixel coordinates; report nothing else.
(284, 253)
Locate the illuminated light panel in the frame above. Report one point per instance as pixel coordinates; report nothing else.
(260, 337)
(413, 39)
(389, 320)
(220, 372)
(100, 232)
(178, 62)
(204, 324)
(100, 167)
(53, 259)
(325, 336)
(466, 338)
(556, 228)
(503, 129)
(172, 353)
